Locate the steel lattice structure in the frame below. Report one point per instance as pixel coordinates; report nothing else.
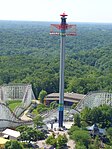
(95, 99)
(17, 91)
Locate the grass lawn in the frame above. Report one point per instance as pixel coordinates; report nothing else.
(12, 104)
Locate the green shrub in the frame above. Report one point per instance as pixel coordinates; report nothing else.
(81, 136)
(80, 145)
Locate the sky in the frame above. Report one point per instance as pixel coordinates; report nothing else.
(50, 10)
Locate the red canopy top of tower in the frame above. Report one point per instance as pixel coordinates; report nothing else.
(63, 15)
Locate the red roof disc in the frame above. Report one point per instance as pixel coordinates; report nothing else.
(63, 15)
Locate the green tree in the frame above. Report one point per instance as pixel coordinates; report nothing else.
(40, 135)
(81, 136)
(77, 120)
(24, 136)
(31, 134)
(61, 141)
(80, 145)
(51, 140)
(41, 108)
(13, 145)
(22, 128)
(38, 121)
(101, 115)
(72, 129)
(53, 105)
(42, 94)
(106, 118)
(109, 133)
(108, 146)
(96, 143)
(95, 115)
(85, 114)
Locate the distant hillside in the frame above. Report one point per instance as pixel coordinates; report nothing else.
(28, 37)
(29, 54)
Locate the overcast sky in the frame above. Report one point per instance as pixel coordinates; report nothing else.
(49, 10)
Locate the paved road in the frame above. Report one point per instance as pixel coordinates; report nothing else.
(24, 117)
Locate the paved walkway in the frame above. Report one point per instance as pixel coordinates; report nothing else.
(25, 117)
(70, 143)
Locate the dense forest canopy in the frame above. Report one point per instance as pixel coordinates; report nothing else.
(28, 54)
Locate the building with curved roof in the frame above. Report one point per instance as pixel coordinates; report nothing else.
(69, 98)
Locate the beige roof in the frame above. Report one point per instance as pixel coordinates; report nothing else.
(72, 96)
(11, 132)
(3, 141)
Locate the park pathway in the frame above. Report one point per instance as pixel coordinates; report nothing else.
(24, 117)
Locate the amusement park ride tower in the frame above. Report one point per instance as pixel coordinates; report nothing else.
(63, 32)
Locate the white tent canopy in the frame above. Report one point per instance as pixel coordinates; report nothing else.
(11, 133)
